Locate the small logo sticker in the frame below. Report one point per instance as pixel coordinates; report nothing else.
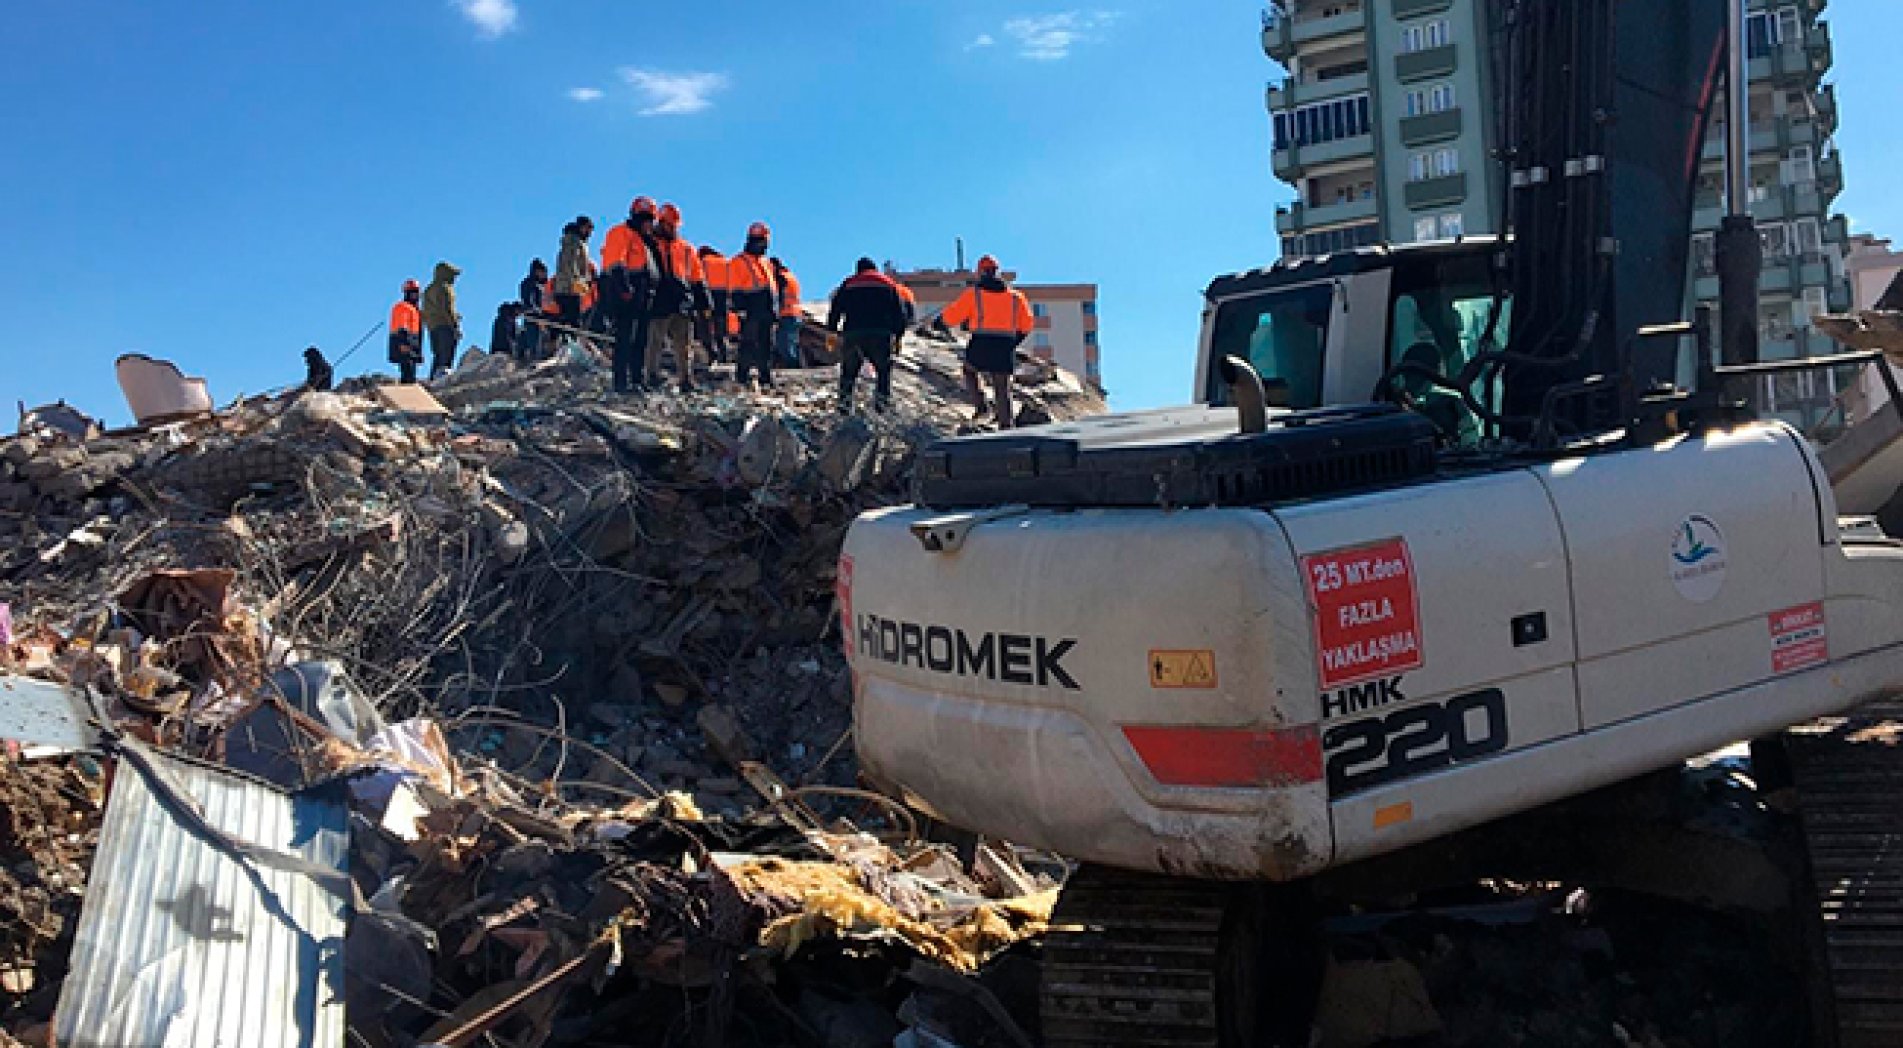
(1699, 559)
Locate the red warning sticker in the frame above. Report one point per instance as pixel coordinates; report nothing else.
(1367, 612)
(1798, 638)
(842, 590)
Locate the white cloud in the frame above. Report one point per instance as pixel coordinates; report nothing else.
(983, 40)
(674, 94)
(585, 94)
(1049, 38)
(492, 18)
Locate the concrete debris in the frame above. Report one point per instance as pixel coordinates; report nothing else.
(528, 640)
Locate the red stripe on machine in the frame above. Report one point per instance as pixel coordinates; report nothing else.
(1229, 757)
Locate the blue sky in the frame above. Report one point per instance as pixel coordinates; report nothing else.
(223, 183)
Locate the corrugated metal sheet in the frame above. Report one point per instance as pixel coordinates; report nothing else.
(181, 946)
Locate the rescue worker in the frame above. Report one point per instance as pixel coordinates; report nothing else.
(317, 371)
(786, 336)
(871, 313)
(440, 319)
(503, 338)
(627, 263)
(714, 268)
(532, 294)
(572, 270)
(406, 333)
(751, 293)
(679, 298)
(999, 318)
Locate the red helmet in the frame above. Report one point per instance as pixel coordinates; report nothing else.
(670, 215)
(759, 229)
(987, 264)
(411, 285)
(642, 206)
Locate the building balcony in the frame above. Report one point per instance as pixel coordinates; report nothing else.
(1837, 231)
(1291, 162)
(1436, 192)
(1299, 217)
(1824, 99)
(1830, 175)
(1840, 299)
(1420, 65)
(1284, 36)
(1287, 94)
(1783, 204)
(1417, 8)
(1430, 127)
(1807, 59)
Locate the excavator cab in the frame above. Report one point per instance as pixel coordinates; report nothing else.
(1378, 324)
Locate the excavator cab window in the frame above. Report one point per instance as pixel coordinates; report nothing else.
(1283, 334)
(1443, 308)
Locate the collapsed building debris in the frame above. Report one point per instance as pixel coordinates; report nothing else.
(559, 667)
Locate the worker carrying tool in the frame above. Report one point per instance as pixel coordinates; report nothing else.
(786, 334)
(999, 318)
(679, 298)
(628, 278)
(440, 318)
(752, 296)
(572, 270)
(715, 268)
(871, 312)
(406, 333)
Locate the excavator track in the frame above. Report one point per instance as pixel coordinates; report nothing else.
(1132, 959)
(1140, 959)
(1848, 773)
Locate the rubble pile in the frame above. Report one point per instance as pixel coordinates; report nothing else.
(564, 662)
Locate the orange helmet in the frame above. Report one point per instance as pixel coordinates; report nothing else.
(987, 264)
(412, 285)
(759, 229)
(670, 215)
(642, 206)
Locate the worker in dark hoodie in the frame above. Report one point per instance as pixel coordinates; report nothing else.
(504, 339)
(872, 314)
(531, 293)
(440, 319)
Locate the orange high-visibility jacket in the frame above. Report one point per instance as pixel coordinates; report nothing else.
(992, 312)
(681, 260)
(624, 247)
(714, 269)
(790, 295)
(749, 273)
(405, 317)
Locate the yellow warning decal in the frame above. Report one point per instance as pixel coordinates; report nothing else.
(1183, 669)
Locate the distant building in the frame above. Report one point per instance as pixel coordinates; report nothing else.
(1383, 128)
(1872, 265)
(1066, 315)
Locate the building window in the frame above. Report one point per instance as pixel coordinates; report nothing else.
(1776, 238)
(1435, 163)
(1425, 36)
(1800, 167)
(1090, 338)
(1453, 225)
(1090, 307)
(1815, 300)
(1329, 241)
(1424, 100)
(1426, 228)
(1320, 122)
(1765, 31)
(1043, 341)
(1038, 309)
(1704, 254)
(1808, 234)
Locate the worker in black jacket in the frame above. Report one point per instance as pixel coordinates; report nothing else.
(868, 308)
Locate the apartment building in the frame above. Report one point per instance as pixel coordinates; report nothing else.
(1383, 126)
(1066, 315)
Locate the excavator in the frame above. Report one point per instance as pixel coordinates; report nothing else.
(1457, 536)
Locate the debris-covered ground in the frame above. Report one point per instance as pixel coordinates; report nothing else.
(563, 668)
